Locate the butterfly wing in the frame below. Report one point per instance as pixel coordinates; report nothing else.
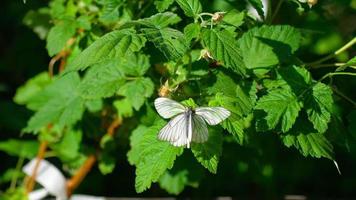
(175, 131)
(213, 115)
(200, 130)
(168, 108)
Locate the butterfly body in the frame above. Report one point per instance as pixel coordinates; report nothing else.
(187, 124)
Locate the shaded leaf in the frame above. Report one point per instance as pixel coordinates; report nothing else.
(266, 46)
(308, 142)
(208, 153)
(318, 104)
(282, 107)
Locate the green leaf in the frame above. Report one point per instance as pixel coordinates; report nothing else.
(208, 153)
(137, 91)
(135, 65)
(191, 31)
(266, 46)
(102, 80)
(239, 99)
(282, 107)
(20, 148)
(174, 183)
(110, 11)
(158, 21)
(191, 8)
(162, 5)
(169, 41)
(224, 48)
(352, 61)
(64, 106)
(107, 163)
(115, 44)
(296, 78)
(234, 18)
(151, 156)
(9, 174)
(257, 4)
(59, 35)
(309, 143)
(318, 104)
(67, 149)
(123, 107)
(26, 94)
(38, 21)
(136, 137)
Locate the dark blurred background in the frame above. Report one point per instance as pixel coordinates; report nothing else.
(272, 171)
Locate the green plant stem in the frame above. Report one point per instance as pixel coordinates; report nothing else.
(144, 9)
(324, 77)
(278, 7)
(338, 92)
(337, 52)
(337, 74)
(328, 65)
(17, 169)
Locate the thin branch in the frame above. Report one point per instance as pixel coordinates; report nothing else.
(40, 155)
(75, 181)
(113, 126)
(278, 7)
(337, 52)
(79, 176)
(17, 170)
(338, 92)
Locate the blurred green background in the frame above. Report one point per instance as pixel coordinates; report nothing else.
(269, 171)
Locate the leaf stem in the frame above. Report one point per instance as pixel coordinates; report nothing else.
(278, 7)
(338, 92)
(337, 52)
(144, 9)
(17, 169)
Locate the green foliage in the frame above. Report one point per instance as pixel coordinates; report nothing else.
(116, 44)
(270, 44)
(115, 57)
(150, 156)
(64, 106)
(59, 35)
(282, 108)
(208, 153)
(224, 48)
(20, 148)
(191, 8)
(308, 141)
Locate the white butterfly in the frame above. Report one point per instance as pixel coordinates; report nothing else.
(188, 125)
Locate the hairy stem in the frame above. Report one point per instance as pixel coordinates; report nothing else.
(337, 52)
